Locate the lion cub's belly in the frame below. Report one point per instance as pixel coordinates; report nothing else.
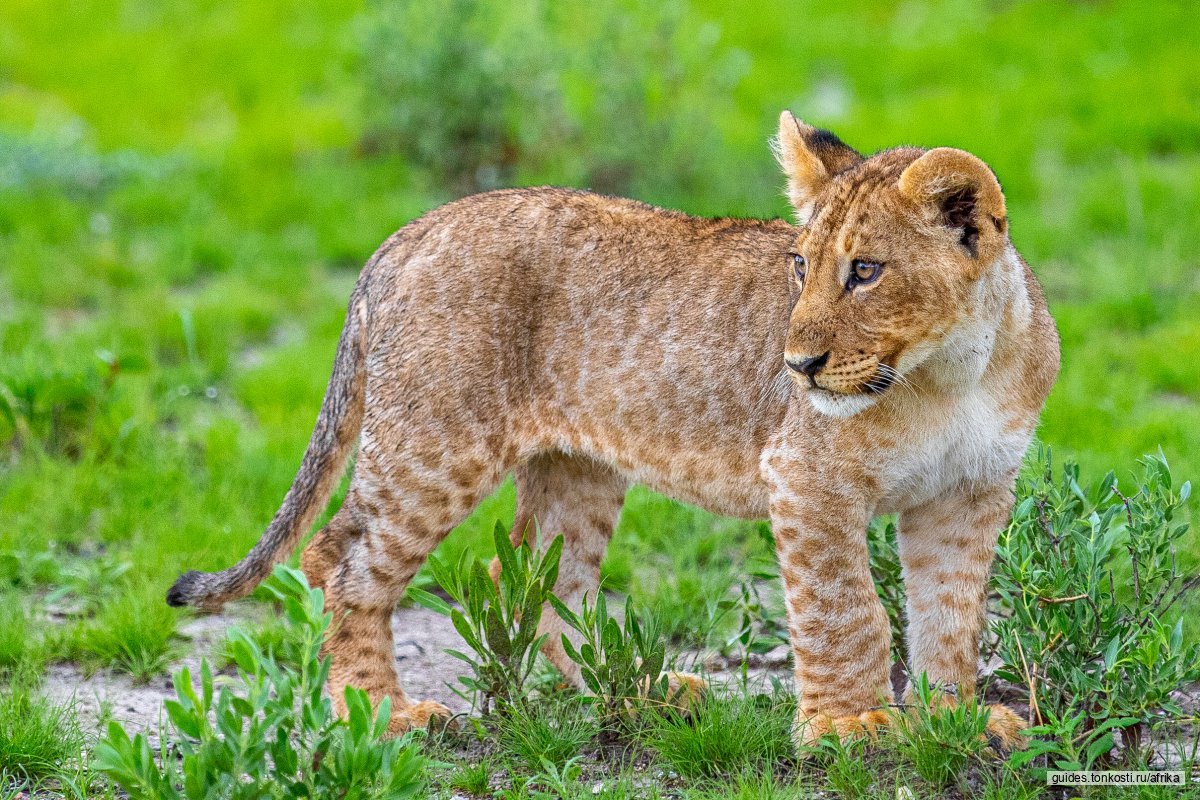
(723, 481)
(974, 443)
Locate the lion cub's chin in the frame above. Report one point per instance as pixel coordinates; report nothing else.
(832, 404)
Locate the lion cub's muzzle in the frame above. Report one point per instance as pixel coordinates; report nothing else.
(862, 375)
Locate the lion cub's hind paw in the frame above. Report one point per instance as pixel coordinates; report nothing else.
(1005, 728)
(423, 714)
(685, 690)
(809, 731)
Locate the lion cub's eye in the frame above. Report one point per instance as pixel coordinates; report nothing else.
(798, 267)
(863, 272)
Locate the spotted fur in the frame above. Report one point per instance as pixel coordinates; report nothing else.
(585, 343)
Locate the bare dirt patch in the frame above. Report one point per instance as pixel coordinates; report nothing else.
(422, 637)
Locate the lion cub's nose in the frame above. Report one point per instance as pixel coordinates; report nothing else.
(808, 366)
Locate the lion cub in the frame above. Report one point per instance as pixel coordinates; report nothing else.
(888, 354)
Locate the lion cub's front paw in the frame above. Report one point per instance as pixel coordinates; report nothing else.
(1005, 728)
(809, 730)
(418, 715)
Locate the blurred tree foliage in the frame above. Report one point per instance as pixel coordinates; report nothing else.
(623, 98)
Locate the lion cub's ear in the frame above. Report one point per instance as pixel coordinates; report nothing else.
(810, 157)
(959, 191)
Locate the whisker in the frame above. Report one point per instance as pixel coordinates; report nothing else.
(898, 379)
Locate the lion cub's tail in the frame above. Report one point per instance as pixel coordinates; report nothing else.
(337, 429)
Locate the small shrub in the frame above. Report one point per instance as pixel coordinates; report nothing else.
(559, 780)
(498, 620)
(761, 626)
(278, 737)
(722, 735)
(272, 637)
(619, 664)
(1088, 582)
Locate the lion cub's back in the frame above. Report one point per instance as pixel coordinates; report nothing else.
(593, 315)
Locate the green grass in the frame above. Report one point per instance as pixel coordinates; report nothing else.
(723, 735)
(534, 734)
(133, 632)
(19, 637)
(39, 739)
(472, 779)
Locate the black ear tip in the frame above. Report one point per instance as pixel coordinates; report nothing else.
(829, 145)
(824, 138)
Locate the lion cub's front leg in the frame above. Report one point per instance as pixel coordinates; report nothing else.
(946, 549)
(839, 630)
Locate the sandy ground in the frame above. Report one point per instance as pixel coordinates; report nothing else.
(422, 637)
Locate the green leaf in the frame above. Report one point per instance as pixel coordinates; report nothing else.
(183, 720)
(497, 633)
(504, 552)
(459, 621)
(550, 561)
(1111, 652)
(1099, 747)
(570, 650)
(429, 600)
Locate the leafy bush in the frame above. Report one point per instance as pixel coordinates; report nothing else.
(482, 95)
(1088, 581)
(498, 620)
(278, 738)
(618, 663)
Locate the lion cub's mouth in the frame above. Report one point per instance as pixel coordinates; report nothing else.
(882, 379)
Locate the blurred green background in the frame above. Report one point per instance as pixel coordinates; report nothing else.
(187, 190)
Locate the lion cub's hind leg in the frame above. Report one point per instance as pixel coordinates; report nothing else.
(579, 499)
(364, 558)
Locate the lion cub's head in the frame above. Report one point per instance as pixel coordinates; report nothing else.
(888, 261)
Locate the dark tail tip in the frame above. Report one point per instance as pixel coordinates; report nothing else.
(186, 589)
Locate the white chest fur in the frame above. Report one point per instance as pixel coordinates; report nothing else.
(967, 442)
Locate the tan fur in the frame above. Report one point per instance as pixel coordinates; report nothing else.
(587, 342)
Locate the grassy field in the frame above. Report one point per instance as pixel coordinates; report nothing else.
(187, 190)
